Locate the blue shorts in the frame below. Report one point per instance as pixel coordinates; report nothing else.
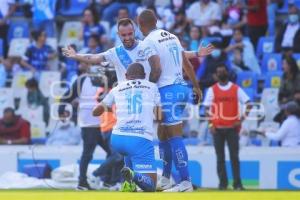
(174, 99)
(138, 152)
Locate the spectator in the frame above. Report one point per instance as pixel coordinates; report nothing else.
(206, 73)
(257, 21)
(85, 88)
(8, 68)
(194, 38)
(35, 98)
(91, 26)
(7, 8)
(177, 5)
(38, 54)
(288, 37)
(290, 81)
(69, 68)
(14, 129)
(233, 14)
(288, 133)
(222, 99)
(66, 133)
(111, 10)
(204, 13)
(180, 27)
(242, 54)
(43, 15)
(94, 46)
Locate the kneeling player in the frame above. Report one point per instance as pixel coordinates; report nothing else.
(137, 102)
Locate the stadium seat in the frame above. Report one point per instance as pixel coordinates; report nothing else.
(250, 92)
(6, 99)
(265, 45)
(18, 83)
(70, 33)
(52, 42)
(271, 62)
(32, 114)
(297, 58)
(1, 48)
(106, 26)
(273, 79)
(247, 80)
(18, 47)
(285, 8)
(18, 29)
(38, 132)
(72, 8)
(46, 81)
(269, 101)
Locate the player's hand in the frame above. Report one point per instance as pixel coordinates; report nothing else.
(197, 91)
(205, 50)
(69, 52)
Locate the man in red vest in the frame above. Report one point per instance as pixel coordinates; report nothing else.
(222, 101)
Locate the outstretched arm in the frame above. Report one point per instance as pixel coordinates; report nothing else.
(202, 51)
(92, 59)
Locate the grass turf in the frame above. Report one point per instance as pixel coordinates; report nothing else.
(104, 195)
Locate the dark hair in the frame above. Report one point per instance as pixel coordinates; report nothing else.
(95, 37)
(125, 22)
(9, 110)
(293, 65)
(95, 15)
(36, 34)
(30, 83)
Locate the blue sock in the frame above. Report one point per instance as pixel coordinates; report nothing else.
(165, 153)
(144, 181)
(180, 157)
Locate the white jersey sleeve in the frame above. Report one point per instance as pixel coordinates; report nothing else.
(167, 46)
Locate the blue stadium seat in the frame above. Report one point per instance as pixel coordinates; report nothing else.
(273, 79)
(297, 3)
(274, 143)
(72, 8)
(285, 8)
(251, 93)
(265, 45)
(271, 62)
(1, 47)
(18, 29)
(247, 80)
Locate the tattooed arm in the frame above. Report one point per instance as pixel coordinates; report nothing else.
(92, 59)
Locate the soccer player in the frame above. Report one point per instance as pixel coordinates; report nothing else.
(137, 102)
(167, 52)
(131, 50)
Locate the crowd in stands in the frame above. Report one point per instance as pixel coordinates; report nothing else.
(257, 40)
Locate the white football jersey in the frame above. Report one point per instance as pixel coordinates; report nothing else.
(120, 61)
(167, 46)
(135, 101)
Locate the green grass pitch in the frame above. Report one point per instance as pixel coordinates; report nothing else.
(104, 195)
